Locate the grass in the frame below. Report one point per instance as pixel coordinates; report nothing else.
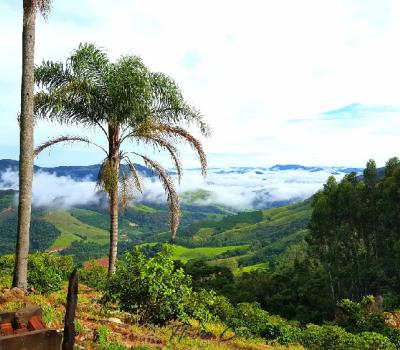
(144, 208)
(256, 267)
(73, 229)
(102, 220)
(185, 254)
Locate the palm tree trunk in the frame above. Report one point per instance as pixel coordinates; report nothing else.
(26, 146)
(113, 231)
(114, 160)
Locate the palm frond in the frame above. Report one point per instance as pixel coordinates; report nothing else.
(43, 6)
(175, 131)
(135, 174)
(170, 106)
(75, 93)
(172, 195)
(159, 142)
(125, 189)
(64, 139)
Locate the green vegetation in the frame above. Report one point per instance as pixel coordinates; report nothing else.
(151, 288)
(7, 199)
(93, 275)
(185, 254)
(74, 230)
(42, 233)
(47, 272)
(193, 197)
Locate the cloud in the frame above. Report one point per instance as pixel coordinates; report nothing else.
(235, 188)
(357, 110)
(54, 191)
(251, 188)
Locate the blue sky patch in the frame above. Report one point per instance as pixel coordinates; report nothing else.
(191, 59)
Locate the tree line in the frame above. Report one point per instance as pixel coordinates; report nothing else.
(351, 250)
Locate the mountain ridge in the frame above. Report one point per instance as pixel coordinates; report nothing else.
(89, 172)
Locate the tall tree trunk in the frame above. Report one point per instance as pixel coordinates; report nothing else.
(114, 159)
(26, 146)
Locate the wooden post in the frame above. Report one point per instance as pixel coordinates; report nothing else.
(69, 323)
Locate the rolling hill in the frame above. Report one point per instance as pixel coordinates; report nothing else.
(241, 241)
(218, 233)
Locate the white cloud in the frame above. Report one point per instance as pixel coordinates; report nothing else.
(54, 191)
(254, 188)
(250, 189)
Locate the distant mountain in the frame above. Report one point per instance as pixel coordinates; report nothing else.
(89, 172)
(285, 167)
(78, 173)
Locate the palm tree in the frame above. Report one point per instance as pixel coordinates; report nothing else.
(126, 102)
(26, 122)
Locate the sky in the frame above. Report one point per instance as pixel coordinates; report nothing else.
(279, 81)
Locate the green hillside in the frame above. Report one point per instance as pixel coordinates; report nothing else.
(185, 254)
(243, 241)
(71, 229)
(267, 234)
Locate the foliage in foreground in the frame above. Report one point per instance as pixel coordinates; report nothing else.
(156, 291)
(47, 272)
(152, 288)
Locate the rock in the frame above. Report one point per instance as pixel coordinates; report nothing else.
(115, 320)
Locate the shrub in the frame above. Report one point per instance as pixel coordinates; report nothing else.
(248, 319)
(6, 270)
(358, 318)
(46, 271)
(6, 265)
(199, 306)
(150, 288)
(222, 308)
(104, 342)
(329, 337)
(93, 275)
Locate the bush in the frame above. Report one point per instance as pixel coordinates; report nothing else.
(222, 308)
(330, 337)
(93, 275)
(46, 271)
(6, 270)
(199, 306)
(359, 318)
(150, 288)
(248, 319)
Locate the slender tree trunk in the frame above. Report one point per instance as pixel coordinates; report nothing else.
(113, 231)
(26, 146)
(114, 158)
